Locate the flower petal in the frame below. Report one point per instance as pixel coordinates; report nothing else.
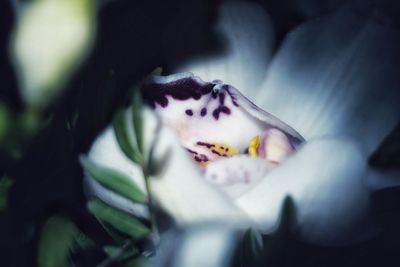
(209, 112)
(188, 247)
(184, 193)
(337, 75)
(248, 34)
(236, 175)
(179, 189)
(326, 180)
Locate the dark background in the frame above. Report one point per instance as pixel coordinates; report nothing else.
(133, 39)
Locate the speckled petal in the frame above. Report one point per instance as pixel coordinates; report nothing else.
(208, 113)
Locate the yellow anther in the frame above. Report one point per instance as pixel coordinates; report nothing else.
(253, 146)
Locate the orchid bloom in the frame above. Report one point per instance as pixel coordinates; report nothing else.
(231, 161)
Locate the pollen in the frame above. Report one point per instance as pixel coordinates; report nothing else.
(253, 146)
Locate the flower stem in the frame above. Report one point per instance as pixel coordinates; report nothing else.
(152, 212)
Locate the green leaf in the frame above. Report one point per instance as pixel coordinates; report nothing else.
(5, 121)
(138, 119)
(120, 252)
(5, 185)
(122, 136)
(56, 241)
(157, 71)
(288, 217)
(114, 180)
(156, 166)
(252, 245)
(118, 219)
(138, 262)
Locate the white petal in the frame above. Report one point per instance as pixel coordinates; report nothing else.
(184, 193)
(188, 247)
(180, 188)
(326, 180)
(247, 33)
(238, 174)
(337, 75)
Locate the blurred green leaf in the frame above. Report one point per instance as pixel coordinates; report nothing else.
(56, 241)
(275, 244)
(30, 122)
(50, 40)
(5, 185)
(138, 119)
(138, 262)
(121, 253)
(118, 237)
(5, 121)
(252, 246)
(288, 216)
(114, 180)
(122, 136)
(156, 166)
(157, 71)
(118, 219)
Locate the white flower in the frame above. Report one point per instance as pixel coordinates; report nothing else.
(332, 82)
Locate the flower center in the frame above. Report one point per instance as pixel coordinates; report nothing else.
(272, 145)
(233, 141)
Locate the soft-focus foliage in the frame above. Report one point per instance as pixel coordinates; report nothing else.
(56, 242)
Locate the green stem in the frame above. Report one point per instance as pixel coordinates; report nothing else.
(151, 205)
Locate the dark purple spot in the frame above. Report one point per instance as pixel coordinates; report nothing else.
(181, 89)
(191, 151)
(223, 109)
(205, 144)
(215, 152)
(201, 158)
(216, 114)
(221, 147)
(189, 112)
(203, 112)
(221, 98)
(226, 149)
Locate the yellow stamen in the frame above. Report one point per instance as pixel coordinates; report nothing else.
(253, 145)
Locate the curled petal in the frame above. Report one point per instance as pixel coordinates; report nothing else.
(209, 112)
